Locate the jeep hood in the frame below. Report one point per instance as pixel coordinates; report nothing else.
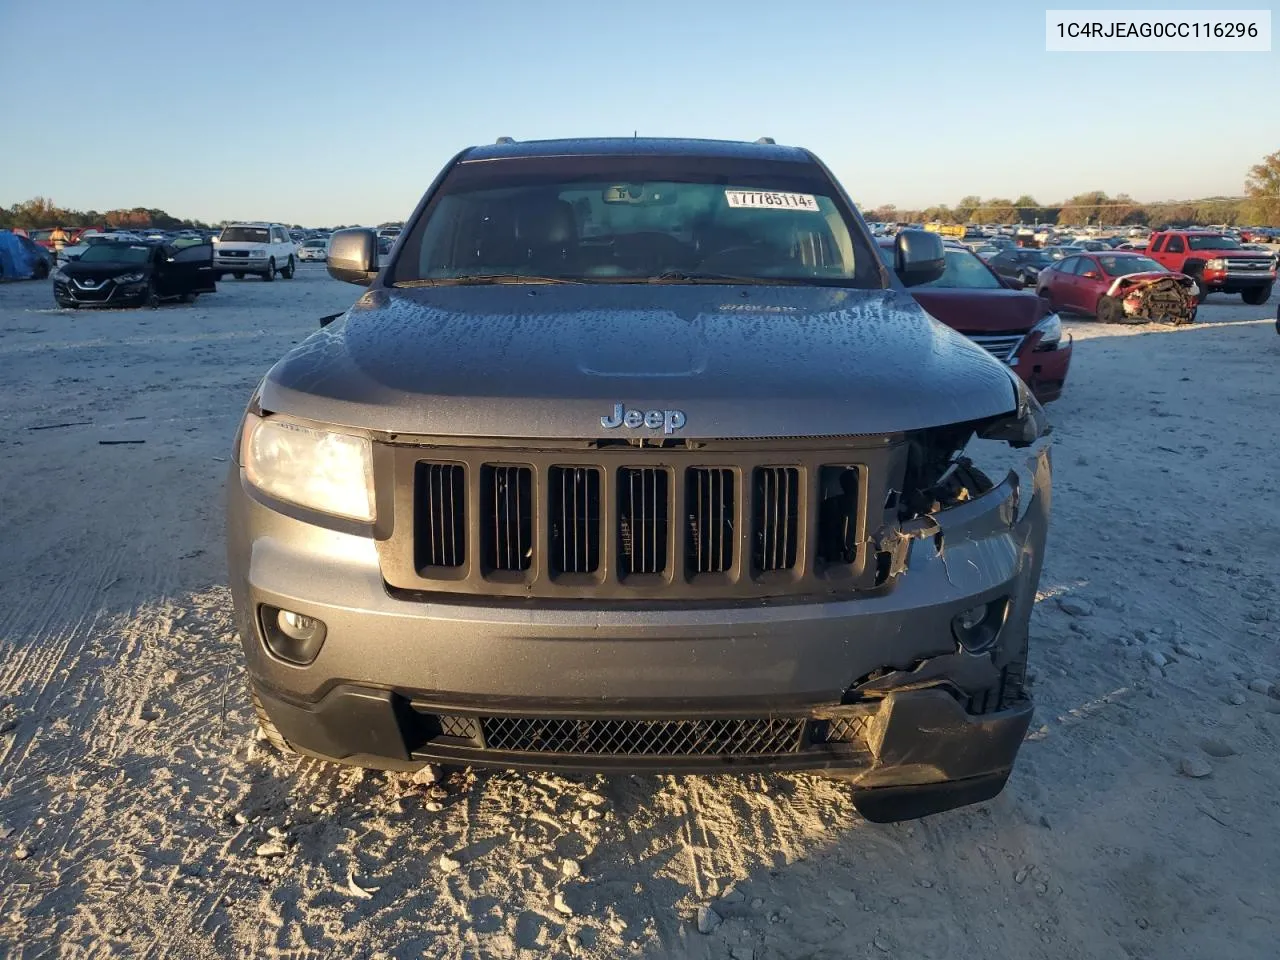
(548, 361)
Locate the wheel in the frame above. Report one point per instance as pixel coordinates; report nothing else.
(1256, 296)
(238, 275)
(271, 270)
(269, 730)
(1198, 277)
(1109, 310)
(217, 277)
(287, 272)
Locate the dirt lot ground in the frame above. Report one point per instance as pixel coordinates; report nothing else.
(140, 817)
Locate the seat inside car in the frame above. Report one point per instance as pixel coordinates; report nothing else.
(547, 230)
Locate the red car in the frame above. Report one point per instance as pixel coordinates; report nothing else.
(1119, 287)
(1013, 325)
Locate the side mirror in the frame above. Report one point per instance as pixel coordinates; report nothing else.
(1013, 283)
(918, 257)
(353, 256)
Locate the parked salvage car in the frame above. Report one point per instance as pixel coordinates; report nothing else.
(1021, 263)
(634, 456)
(1120, 287)
(1015, 326)
(113, 274)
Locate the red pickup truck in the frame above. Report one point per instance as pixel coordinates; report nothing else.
(1217, 262)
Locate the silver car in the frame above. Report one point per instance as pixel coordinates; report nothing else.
(635, 456)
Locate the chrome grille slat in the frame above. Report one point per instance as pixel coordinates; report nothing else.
(642, 526)
(1001, 346)
(710, 543)
(508, 492)
(776, 517)
(441, 494)
(575, 519)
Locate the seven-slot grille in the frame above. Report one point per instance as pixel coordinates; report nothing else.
(1002, 346)
(682, 523)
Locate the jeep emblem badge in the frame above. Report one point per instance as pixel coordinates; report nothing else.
(668, 420)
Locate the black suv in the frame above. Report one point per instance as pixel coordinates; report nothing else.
(1021, 264)
(635, 456)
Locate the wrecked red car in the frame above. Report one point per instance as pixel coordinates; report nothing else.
(1120, 288)
(1012, 324)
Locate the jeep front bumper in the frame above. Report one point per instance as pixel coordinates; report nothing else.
(873, 688)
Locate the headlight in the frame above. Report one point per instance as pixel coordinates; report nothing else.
(1217, 263)
(57, 276)
(258, 253)
(131, 278)
(1025, 425)
(1050, 330)
(329, 472)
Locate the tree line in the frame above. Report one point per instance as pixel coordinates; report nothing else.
(1260, 206)
(1094, 207)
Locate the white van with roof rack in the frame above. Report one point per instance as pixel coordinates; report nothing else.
(260, 248)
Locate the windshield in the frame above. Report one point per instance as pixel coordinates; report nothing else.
(965, 272)
(1213, 241)
(628, 219)
(1123, 266)
(245, 235)
(116, 253)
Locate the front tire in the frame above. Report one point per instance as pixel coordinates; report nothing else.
(270, 732)
(270, 275)
(1109, 310)
(287, 272)
(1256, 296)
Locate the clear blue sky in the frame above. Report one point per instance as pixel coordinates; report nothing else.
(323, 112)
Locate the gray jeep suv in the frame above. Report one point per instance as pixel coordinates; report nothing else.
(636, 456)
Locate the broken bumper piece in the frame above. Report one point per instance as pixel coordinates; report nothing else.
(913, 753)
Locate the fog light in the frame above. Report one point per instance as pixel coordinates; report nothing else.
(296, 626)
(978, 628)
(966, 621)
(291, 636)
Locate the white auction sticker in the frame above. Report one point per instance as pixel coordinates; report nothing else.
(757, 200)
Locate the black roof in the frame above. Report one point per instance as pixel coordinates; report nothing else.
(638, 146)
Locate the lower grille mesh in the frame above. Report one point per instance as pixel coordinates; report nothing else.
(657, 738)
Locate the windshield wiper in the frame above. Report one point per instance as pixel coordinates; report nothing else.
(480, 279)
(680, 276)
